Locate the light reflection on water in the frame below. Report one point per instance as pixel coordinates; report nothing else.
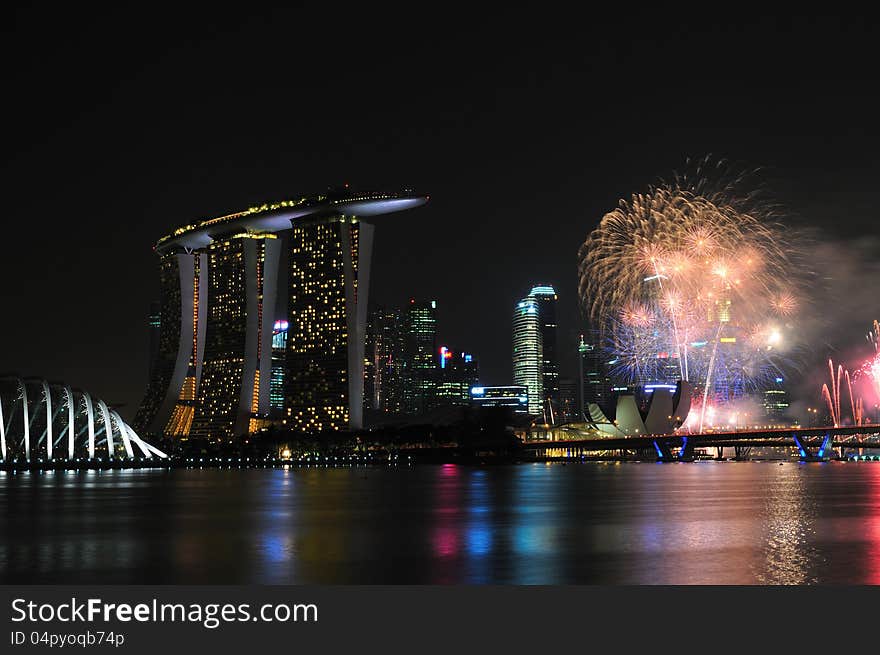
(872, 560)
(696, 523)
(788, 531)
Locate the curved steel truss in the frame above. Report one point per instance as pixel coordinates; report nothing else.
(42, 420)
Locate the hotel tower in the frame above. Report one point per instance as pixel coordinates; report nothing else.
(226, 285)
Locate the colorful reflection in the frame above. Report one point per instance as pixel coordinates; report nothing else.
(872, 525)
(789, 556)
(538, 514)
(695, 523)
(446, 531)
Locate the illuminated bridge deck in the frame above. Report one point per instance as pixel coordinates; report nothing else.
(862, 436)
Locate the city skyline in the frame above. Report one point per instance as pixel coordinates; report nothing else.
(255, 402)
(227, 282)
(568, 356)
(541, 182)
(304, 297)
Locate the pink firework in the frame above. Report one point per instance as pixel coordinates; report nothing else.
(871, 368)
(831, 396)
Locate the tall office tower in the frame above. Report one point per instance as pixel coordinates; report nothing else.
(384, 361)
(568, 408)
(329, 278)
(593, 381)
(220, 285)
(455, 374)
(420, 320)
(528, 352)
(372, 380)
(154, 322)
(546, 298)
(279, 360)
(469, 372)
(775, 400)
(233, 394)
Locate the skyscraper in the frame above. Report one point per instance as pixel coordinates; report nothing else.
(528, 352)
(279, 361)
(220, 280)
(568, 408)
(233, 391)
(456, 374)
(419, 373)
(329, 274)
(593, 381)
(371, 366)
(775, 400)
(546, 298)
(386, 353)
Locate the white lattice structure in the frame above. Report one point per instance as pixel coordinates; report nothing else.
(44, 421)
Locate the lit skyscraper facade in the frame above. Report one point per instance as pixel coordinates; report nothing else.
(568, 408)
(546, 298)
(233, 392)
(593, 381)
(371, 365)
(775, 400)
(329, 275)
(220, 281)
(456, 374)
(419, 373)
(279, 360)
(528, 352)
(405, 371)
(169, 404)
(385, 361)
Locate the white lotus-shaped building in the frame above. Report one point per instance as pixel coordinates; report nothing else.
(667, 410)
(46, 421)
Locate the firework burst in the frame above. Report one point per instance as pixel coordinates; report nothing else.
(710, 263)
(870, 370)
(832, 396)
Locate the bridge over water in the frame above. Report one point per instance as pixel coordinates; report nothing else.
(813, 444)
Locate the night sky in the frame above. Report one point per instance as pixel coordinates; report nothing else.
(524, 129)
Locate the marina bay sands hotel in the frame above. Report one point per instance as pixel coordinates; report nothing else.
(224, 284)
